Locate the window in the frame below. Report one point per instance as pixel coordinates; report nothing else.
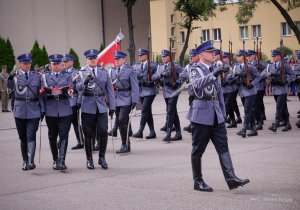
(244, 32)
(182, 38)
(298, 24)
(173, 44)
(285, 29)
(172, 18)
(256, 32)
(172, 31)
(217, 34)
(205, 35)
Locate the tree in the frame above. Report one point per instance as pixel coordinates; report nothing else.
(193, 10)
(9, 55)
(44, 59)
(285, 50)
(129, 4)
(102, 47)
(2, 51)
(247, 7)
(36, 53)
(76, 58)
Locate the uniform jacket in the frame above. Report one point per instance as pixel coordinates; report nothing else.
(297, 77)
(239, 73)
(53, 107)
(101, 84)
(74, 98)
(126, 85)
(146, 89)
(163, 75)
(27, 90)
(275, 74)
(205, 86)
(261, 85)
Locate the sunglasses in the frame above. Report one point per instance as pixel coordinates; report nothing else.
(55, 64)
(117, 58)
(26, 63)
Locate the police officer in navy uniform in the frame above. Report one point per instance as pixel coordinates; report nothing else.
(194, 59)
(229, 90)
(68, 64)
(27, 108)
(56, 89)
(148, 91)
(168, 73)
(247, 91)
(260, 87)
(207, 114)
(97, 102)
(127, 95)
(278, 73)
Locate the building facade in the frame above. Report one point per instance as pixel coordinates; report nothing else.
(64, 24)
(267, 24)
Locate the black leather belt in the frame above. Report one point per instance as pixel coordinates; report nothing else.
(94, 94)
(208, 98)
(57, 97)
(122, 89)
(27, 99)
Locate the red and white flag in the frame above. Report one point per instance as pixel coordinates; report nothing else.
(106, 56)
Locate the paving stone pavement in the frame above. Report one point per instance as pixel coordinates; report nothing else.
(156, 175)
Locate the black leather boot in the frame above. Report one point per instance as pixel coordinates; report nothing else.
(274, 126)
(178, 135)
(113, 133)
(233, 124)
(24, 156)
(62, 154)
(78, 146)
(232, 180)
(259, 125)
(298, 124)
(253, 132)
(164, 128)
(152, 134)
(31, 152)
(124, 147)
(103, 145)
(78, 137)
(239, 120)
(168, 136)
(287, 127)
(54, 151)
(139, 134)
(199, 183)
(97, 146)
(228, 120)
(89, 154)
(130, 131)
(188, 128)
(242, 133)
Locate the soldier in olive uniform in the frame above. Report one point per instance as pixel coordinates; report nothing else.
(207, 114)
(27, 108)
(127, 95)
(4, 89)
(278, 73)
(148, 90)
(168, 74)
(56, 89)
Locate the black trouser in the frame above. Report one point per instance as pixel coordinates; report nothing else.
(59, 126)
(229, 101)
(259, 106)
(95, 122)
(281, 108)
(75, 124)
(147, 111)
(248, 103)
(27, 129)
(172, 115)
(235, 106)
(201, 134)
(122, 115)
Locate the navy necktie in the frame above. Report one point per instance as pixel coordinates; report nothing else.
(93, 70)
(275, 66)
(26, 75)
(56, 75)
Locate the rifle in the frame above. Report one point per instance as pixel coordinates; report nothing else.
(246, 65)
(221, 59)
(172, 64)
(258, 57)
(254, 44)
(148, 59)
(229, 53)
(282, 67)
